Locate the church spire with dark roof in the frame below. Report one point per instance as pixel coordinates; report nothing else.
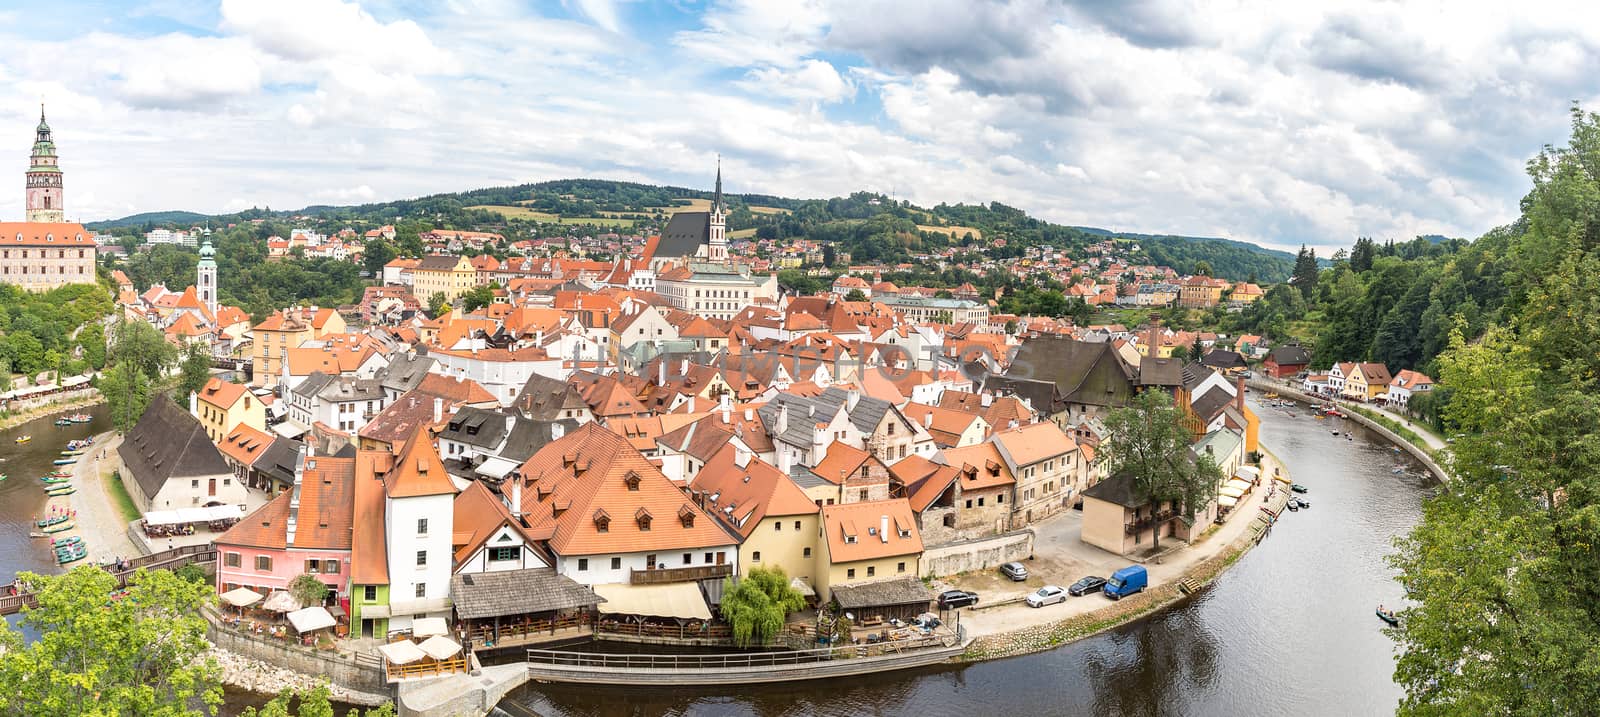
(716, 201)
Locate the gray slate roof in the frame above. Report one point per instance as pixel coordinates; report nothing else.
(546, 399)
(476, 427)
(1289, 355)
(277, 460)
(1223, 358)
(684, 235)
(1085, 373)
(805, 412)
(1117, 489)
(900, 591)
(168, 443)
(1209, 404)
(528, 435)
(514, 592)
(404, 372)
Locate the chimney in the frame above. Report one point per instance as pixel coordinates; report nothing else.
(927, 419)
(851, 399)
(302, 453)
(986, 399)
(783, 461)
(1154, 348)
(661, 372)
(194, 403)
(1238, 393)
(727, 409)
(783, 418)
(516, 497)
(883, 528)
(438, 409)
(683, 367)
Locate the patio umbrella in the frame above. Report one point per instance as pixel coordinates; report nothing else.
(403, 652)
(311, 618)
(429, 626)
(241, 597)
(440, 647)
(281, 601)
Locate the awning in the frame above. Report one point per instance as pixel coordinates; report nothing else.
(403, 652)
(674, 600)
(1232, 491)
(1241, 484)
(240, 597)
(1227, 501)
(280, 601)
(804, 587)
(374, 612)
(288, 430)
(440, 647)
(428, 626)
(1249, 473)
(418, 606)
(193, 515)
(312, 618)
(496, 467)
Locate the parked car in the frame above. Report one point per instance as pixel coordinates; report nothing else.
(1047, 595)
(956, 598)
(1087, 585)
(1016, 571)
(1127, 581)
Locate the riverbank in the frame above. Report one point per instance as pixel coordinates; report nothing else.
(257, 677)
(1043, 629)
(79, 400)
(1427, 454)
(102, 524)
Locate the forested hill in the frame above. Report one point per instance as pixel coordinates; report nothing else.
(868, 226)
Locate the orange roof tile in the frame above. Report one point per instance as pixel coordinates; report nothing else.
(841, 460)
(418, 470)
(981, 466)
(324, 517)
(369, 553)
(854, 530)
(244, 444)
(745, 494)
(1035, 442)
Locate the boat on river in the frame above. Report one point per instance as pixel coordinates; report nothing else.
(56, 519)
(70, 452)
(1388, 616)
(66, 542)
(56, 479)
(66, 461)
(62, 423)
(24, 439)
(59, 491)
(1298, 488)
(79, 443)
(59, 527)
(71, 555)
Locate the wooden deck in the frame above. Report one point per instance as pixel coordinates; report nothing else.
(12, 602)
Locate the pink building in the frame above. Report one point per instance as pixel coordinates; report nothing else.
(303, 531)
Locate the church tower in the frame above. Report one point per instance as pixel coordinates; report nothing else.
(718, 230)
(206, 282)
(44, 178)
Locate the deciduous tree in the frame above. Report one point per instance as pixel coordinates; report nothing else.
(758, 605)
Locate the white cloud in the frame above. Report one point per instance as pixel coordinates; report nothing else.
(812, 80)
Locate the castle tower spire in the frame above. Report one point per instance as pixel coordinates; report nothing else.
(717, 226)
(206, 279)
(44, 185)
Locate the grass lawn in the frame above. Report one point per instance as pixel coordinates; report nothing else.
(510, 212)
(741, 233)
(119, 495)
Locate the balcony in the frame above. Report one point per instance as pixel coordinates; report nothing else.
(678, 575)
(1145, 523)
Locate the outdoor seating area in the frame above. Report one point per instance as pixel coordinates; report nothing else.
(427, 652)
(668, 610)
(878, 604)
(184, 521)
(280, 616)
(519, 607)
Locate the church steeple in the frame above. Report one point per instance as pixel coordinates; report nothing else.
(44, 185)
(716, 200)
(717, 223)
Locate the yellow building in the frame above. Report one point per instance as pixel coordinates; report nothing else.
(221, 406)
(1201, 292)
(286, 330)
(1367, 382)
(442, 274)
(776, 521)
(866, 542)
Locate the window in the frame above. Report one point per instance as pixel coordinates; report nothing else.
(313, 566)
(969, 502)
(230, 560)
(422, 526)
(422, 558)
(194, 483)
(850, 574)
(263, 563)
(583, 564)
(755, 557)
(807, 553)
(891, 429)
(688, 558)
(871, 570)
(777, 525)
(330, 567)
(1000, 498)
(369, 593)
(422, 590)
(616, 563)
(980, 502)
(513, 552)
(900, 568)
(863, 494)
(708, 558)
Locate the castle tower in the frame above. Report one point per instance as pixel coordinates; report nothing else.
(718, 239)
(205, 284)
(44, 178)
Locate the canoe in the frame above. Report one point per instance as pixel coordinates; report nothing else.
(1388, 617)
(61, 474)
(66, 461)
(52, 520)
(65, 542)
(59, 527)
(55, 479)
(71, 558)
(24, 439)
(1298, 488)
(61, 491)
(70, 453)
(63, 423)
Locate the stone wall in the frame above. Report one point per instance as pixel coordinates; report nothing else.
(342, 671)
(974, 555)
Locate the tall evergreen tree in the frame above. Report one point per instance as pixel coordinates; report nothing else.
(1305, 271)
(1361, 256)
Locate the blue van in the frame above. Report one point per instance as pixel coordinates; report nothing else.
(1127, 581)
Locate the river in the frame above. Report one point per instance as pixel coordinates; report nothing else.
(22, 495)
(1289, 629)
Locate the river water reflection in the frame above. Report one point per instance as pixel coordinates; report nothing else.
(1287, 630)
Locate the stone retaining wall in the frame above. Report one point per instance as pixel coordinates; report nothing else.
(1416, 451)
(341, 671)
(977, 555)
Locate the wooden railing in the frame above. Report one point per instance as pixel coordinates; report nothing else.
(678, 575)
(739, 660)
(483, 633)
(427, 669)
(703, 630)
(12, 601)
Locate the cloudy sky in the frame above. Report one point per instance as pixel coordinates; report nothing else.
(1274, 122)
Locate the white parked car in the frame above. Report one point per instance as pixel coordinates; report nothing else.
(1047, 595)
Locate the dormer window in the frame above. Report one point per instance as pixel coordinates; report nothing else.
(643, 518)
(602, 521)
(849, 539)
(905, 533)
(686, 516)
(631, 480)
